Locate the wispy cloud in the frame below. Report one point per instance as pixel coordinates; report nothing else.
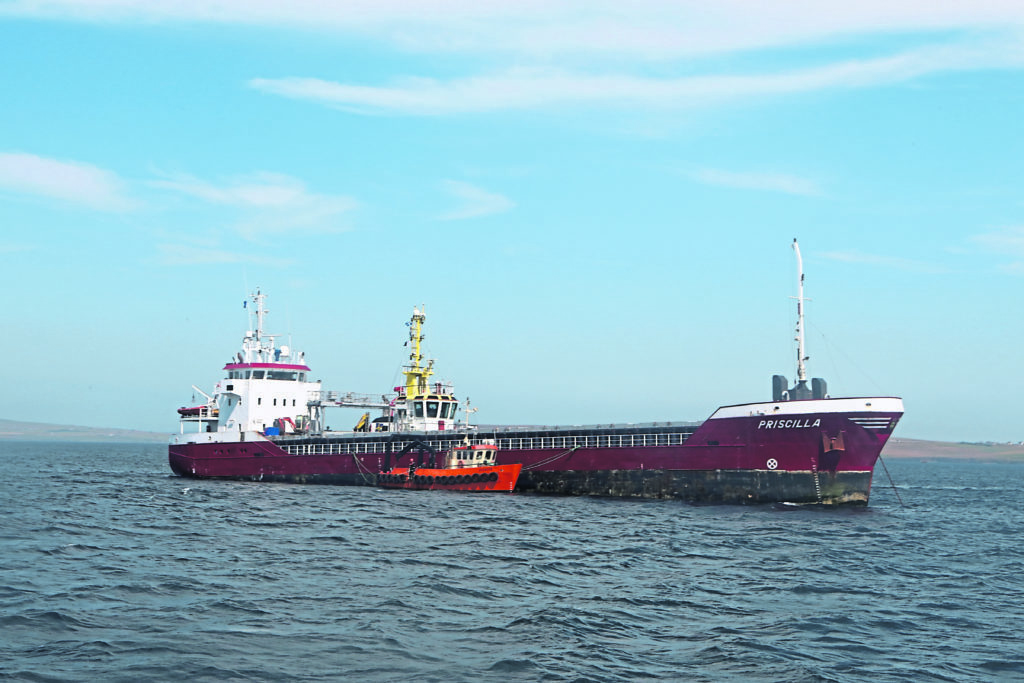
(539, 87)
(894, 262)
(1009, 243)
(602, 48)
(770, 182)
(641, 29)
(270, 203)
(67, 181)
(1005, 241)
(475, 202)
(188, 255)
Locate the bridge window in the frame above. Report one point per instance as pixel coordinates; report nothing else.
(418, 408)
(431, 408)
(280, 374)
(257, 374)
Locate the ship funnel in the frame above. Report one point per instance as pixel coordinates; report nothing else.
(779, 386)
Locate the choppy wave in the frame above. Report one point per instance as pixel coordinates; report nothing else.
(114, 570)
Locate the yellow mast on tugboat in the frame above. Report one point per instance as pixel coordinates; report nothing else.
(422, 405)
(415, 374)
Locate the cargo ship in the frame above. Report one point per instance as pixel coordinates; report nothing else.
(264, 421)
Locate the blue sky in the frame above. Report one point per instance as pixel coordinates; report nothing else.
(594, 200)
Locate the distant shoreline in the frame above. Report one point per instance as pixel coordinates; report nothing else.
(930, 450)
(13, 430)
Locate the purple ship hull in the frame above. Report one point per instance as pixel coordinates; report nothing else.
(810, 452)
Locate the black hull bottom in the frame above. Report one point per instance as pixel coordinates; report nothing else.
(706, 486)
(694, 486)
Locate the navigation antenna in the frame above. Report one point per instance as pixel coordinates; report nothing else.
(801, 370)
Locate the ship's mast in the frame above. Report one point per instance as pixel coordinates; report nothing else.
(254, 348)
(258, 297)
(801, 371)
(415, 374)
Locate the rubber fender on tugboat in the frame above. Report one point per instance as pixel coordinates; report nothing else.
(474, 478)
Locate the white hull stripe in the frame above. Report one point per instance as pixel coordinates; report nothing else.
(872, 422)
(826, 405)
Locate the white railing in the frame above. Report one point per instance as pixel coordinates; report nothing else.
(358, 446)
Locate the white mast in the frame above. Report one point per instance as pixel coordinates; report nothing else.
(259, 297)
(801, 371)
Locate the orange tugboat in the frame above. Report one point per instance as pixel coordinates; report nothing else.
(466, 468)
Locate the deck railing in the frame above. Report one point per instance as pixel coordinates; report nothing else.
(506, 443)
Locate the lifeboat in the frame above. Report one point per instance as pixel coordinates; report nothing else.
(466, 468)
(198, 411)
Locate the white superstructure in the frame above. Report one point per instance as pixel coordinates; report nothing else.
(266, 389)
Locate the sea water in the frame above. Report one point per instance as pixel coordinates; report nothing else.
(113, 569)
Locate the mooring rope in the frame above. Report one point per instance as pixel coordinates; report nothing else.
(551, 459)
(359, 465)
(891, 482)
